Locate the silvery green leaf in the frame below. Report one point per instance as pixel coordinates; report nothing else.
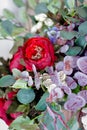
(16, 73)
(71, 3)
(26, 96)
(20, 83)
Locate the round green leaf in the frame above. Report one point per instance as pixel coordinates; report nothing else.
(7, 26)
(7, 80)
(73, 51)
(25, 96)
(83, 28)
(19, 3)
(41, 8)
(68, 35)
(41, 105)
(81, 41)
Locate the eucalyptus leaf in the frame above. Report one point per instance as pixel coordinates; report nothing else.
(18, 42)
(23, 123)
(46, 1)
(20, 83)
(23, 17)
(73, 51)
(82, 11)
(68, 35)
(25, 96)
(22, 108)
(7, 26)
(32, 3)
(41, 105)
(18, 31)
(81, 1)
(70, 3)
(54, 5)
(73, 124)
(83, 28)
(6, 81)
(81, 41)
(12, 108)
(41, 8)
(8, 14)
(28, 35)
(16, 73)
(19, 3)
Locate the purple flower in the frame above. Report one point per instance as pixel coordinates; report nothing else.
(53, 33)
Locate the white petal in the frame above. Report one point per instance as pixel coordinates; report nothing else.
(48, 22)
(40, 17)
(3, 125)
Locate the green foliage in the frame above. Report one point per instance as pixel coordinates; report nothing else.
(12, 108)
(32, 3)
(18, 3)
(22, 108)
(8, 14)
(50, 122)
(73, 124)
(41, 8)
(17, 31)
(7, 26)
(18, 42)
(81, 41)
(73, 51)
(25, 96)
(6, 81)
(82, 11)
(70, 3)
(41, 105)
(20, 83)
(81, 1)
(23, 123)
(68, 35)
(23, 17)
(54, 5)
(83, 28)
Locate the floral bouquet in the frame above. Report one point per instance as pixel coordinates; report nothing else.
(45, 87)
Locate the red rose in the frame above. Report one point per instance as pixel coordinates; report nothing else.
(15, 62)
(38, 51)
(4, 105)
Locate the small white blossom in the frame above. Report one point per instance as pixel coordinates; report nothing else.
(47, 83)
(36, 27)
(3, 125)
(84, 121)
(62, 77)
(48, 22)
(40, 17)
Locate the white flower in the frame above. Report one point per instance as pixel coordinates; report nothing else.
(40, 17)
(3, 125)
(36, 27)
(48, 22)
(84, 121)
(62, 77)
